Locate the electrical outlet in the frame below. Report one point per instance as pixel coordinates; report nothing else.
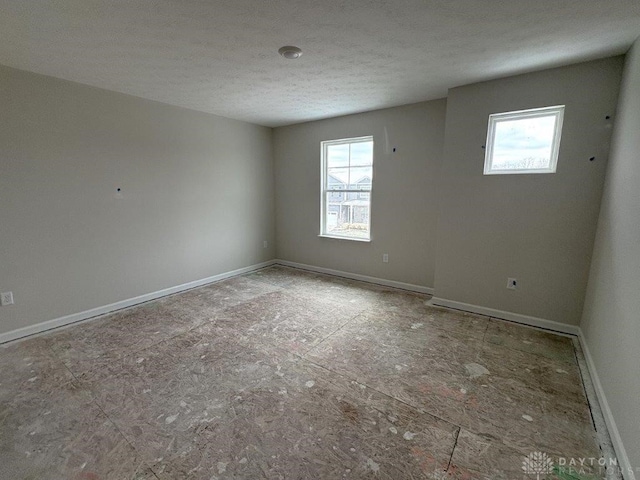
(6, 298)
(385, 258)
(512, 283)
(265, 244)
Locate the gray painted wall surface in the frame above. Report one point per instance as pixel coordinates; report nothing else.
(536, 228)
(198, 196)
(404, 197)
(611, 320)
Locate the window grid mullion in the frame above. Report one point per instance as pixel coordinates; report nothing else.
(351, 190)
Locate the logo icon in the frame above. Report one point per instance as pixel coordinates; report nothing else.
(537, 463)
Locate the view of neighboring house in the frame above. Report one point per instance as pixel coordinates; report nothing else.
(348, 207)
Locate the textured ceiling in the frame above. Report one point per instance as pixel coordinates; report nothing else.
(221, 56)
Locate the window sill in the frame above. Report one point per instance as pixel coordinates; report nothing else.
(337, 237)
(519, 172)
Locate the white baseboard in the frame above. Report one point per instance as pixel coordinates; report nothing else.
(94, 312)
(356, 276)
(623, 460)
(513, 317)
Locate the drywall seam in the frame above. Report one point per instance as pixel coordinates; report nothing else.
(511, 316)
(98, 311)
(356, 276)
(623, 460)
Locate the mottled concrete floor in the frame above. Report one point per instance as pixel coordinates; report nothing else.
(284, 374)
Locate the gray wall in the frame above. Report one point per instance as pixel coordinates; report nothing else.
(611, 320)
(198, 196)
(404, 196)
(537, 228)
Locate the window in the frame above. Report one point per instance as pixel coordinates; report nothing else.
(526, 141)
(347, 172)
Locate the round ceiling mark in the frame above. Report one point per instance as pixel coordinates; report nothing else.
(290, 52)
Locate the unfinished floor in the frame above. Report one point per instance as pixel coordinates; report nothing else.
(286, 374)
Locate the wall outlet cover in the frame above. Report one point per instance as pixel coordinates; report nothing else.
(6, 298)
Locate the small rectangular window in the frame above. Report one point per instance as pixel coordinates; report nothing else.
(525, 141)
(347, 174)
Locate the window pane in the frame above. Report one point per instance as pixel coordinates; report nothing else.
(338, 155)
(361, 153)
(360, 176)
(337, 178)
(523, 143)
(347, 165)
(347, 217)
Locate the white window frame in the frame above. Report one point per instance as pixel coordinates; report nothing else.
(324, 187)
(495, 118)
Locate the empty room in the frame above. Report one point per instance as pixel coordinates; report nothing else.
(319, 240)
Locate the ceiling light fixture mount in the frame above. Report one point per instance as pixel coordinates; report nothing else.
(290, 52)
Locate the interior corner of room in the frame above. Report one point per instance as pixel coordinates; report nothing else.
(108, 200)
